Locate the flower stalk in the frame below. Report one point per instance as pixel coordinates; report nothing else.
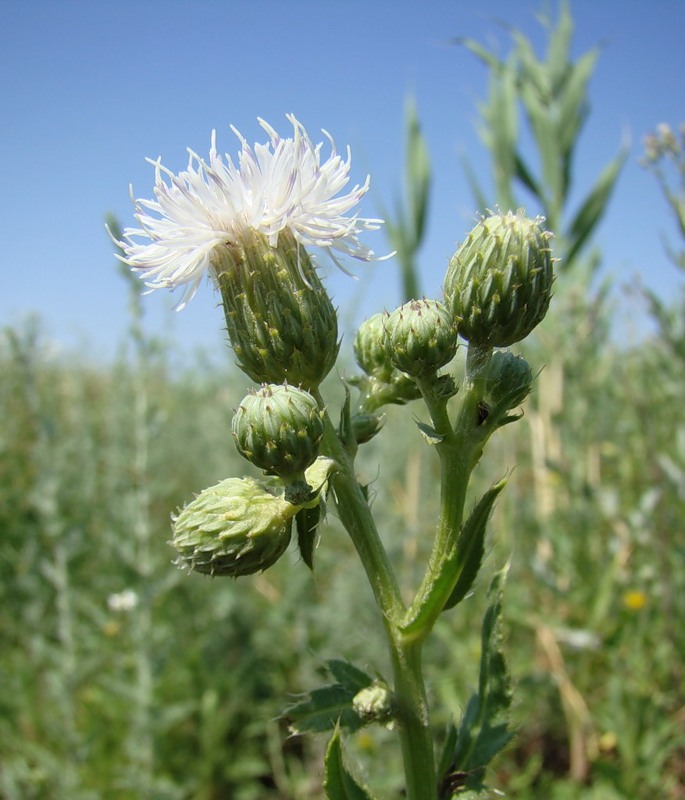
(248, 228)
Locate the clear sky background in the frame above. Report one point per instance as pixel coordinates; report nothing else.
(90, 88)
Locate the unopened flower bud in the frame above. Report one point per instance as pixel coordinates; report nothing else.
(241, 525)
(374, 703)
(278, 429)
(237, 527)
(370, 348)
(280, 319)
(421, 337)
(383, 383)
(508, 380)
(499, 282)
(366, 426)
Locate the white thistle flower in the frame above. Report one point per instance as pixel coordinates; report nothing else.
(280, 186)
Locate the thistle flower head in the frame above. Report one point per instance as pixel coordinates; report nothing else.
(499, 282)
(284, 185)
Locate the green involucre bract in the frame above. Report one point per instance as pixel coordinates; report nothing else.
(279, 317)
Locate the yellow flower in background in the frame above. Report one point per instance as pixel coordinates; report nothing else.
(634, 600)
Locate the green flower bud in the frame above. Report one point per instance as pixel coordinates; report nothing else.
(499, 282)
(374, 703)
(382, 384)
(508, 380)
(421, 337)
(241, 525)
(279, 428)
(370, 348)
(280, 320)
(366, 426)
(237, 527)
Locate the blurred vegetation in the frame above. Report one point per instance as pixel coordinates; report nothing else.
(122, 677)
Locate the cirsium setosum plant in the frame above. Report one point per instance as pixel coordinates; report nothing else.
(249, 229)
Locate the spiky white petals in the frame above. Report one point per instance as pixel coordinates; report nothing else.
(283, 184)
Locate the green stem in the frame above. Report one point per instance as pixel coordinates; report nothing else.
(413, 721)
(459, 453)
(409, 687)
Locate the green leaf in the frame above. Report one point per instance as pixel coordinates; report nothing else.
(339, 784)
(307, 523)
(350, 677)
(559, 51)
(524, 174)
(429, 433)
(488, 58)
(471, 545)
(457, 571)
(330, 706)
(322, 710)
(484, 730)
(418, 174)
(573, 102)
(593, 207)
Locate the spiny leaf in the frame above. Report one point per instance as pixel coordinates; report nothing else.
(457, 571)
(484, 730)
(347, 675)
(339, 784)
(471, 544)
(328, 706)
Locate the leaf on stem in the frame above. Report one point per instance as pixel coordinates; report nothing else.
(307, 522)
(457, 570)
(429, 433)
(594, 206)
(471, 544)
(484, 729)
(339, 784)
(330, 706)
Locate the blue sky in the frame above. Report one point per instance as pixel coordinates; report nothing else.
(90, 88)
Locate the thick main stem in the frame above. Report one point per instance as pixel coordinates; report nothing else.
(409, 687)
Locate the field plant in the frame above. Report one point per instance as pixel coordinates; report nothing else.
(249, 229)
(125, 678)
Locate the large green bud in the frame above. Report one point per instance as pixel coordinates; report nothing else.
(280, 319)
(421, 337)
(241, 525)
(499, 282)
(237, 527)
(279, 429)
